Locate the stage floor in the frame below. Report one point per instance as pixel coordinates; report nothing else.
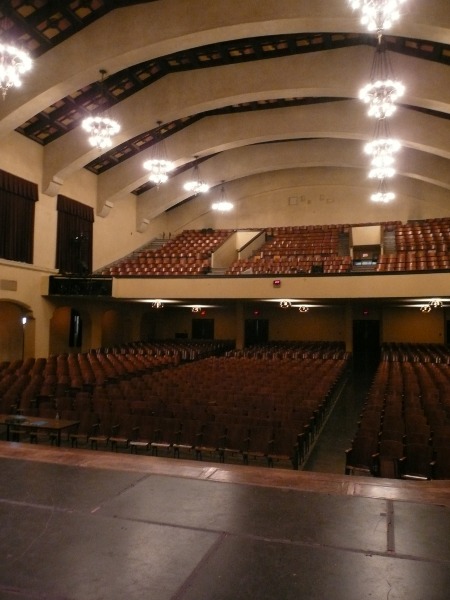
(92, 525)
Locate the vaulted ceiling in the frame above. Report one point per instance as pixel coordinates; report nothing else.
(264, 85)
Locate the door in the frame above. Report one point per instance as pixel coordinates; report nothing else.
(366, 343)
(202, 329)
(256, 331)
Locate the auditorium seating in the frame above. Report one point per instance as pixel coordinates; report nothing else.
(297, 250)
(225, 408)
(189, 253)
(246, 405)
(71, 380)
(408, 407)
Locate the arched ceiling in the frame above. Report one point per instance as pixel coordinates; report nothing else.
(236, 83)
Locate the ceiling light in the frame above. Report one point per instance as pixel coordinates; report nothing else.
(426, 308)
(196, 185)
(378, 15)
(158, 165)
(303, 309)
(382, 196)
(436, 303)
(382, 149)
(157, 304)
(223, 205)
(383, 90)
(13, 64)
(101, 128)
(285, 304)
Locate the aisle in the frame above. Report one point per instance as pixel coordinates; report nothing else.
(328, 455)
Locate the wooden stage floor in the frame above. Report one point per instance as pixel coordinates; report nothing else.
(93, 525)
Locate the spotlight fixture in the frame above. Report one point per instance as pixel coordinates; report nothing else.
(158, 165)
(426, 308)
(157, 304)
(196, 185)
(101, 128)
(285, 304)
(303, 309)
(223, 205)
(196, 309)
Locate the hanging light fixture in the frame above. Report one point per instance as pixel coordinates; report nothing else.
(382, 195)
(101, 128)
(196, 185)
(157, 304)
(285, 304)
(378, 15)
(158, 165)
(223, 205)
(382, 149)
(383, 90)
(303, 309)
(14, 62)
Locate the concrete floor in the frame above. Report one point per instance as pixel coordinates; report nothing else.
(86, 525)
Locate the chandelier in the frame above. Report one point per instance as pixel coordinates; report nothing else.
(382, 195)
(196, 185)
(223, 205)
(378, 15)
(13, 64)
(382, 149)
(382, 152)
(158, 165)
(101, 128)
(384, 90)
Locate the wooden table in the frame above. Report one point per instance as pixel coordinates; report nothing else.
(33, 424)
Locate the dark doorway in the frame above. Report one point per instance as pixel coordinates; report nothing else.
(202, 329)
(447, 334)
(256, 331)
(366, 343)
(76, 330)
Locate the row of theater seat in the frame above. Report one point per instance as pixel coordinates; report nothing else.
(418, 246)
(278, 265)
(186, 254)
(423, 235)
(404, 430)
(221, 407)
(22, 382)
